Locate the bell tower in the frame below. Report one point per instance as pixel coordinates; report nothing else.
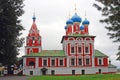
(33, 40)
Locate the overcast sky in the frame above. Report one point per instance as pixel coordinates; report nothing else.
(51, 17)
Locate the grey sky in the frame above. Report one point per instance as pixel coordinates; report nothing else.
(51, 18)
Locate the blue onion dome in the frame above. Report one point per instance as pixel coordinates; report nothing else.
(82, 27)
(65, 27)
(34, 18)
(69, 22)
(76, 18)
(85, 22)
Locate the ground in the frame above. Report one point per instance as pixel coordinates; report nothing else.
(14, 78)
(82, 77)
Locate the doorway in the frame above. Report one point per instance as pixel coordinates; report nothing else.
(44, 70)
(99, 71)
(52, 72)
(73, 72)
(83, 72)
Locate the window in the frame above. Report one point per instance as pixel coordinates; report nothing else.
(79, 50)
(31, 63)
(100, 61)
(44, 62)
(79, 61)
(72, 49)
(86, 50)
(72, 61)
(61, 62)
(53, 63)
(33, 39)
(87, 61)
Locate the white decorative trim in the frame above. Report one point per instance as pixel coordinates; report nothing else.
(36, 62)
(43, 61)
(80, 57)
(101, 61)
(87, 57)
(51, 62)
(87, 45)
(59, 61)
(72, 57)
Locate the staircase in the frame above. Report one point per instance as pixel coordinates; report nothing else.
(19, 70)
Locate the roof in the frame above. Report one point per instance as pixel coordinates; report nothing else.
(77, 35)
(112, 66)
(59, 53)
(99, 54)
(46, 53)
(81, 35)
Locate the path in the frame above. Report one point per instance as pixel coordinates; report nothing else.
(14, 78)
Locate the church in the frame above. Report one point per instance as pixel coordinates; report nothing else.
(77, 57)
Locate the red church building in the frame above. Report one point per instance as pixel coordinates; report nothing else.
(78, 56)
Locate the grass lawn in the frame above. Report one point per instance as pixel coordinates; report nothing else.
(82, 77)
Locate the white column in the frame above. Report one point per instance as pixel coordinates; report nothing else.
(93, 65)
(24, 65)
(66, 52)
(68, 61)
(36, 62)
(24, 61)
(40, 49)
(25, 50)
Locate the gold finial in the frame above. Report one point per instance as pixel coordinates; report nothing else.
(85, 15)
(34, 12)
(34, 18)
(75, 8)
(69, 16)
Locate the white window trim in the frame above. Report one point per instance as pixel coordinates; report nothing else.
(74, 49)
(42, 62)
(87, 45)
(87, 57)
(30, 51)
(81, 49)
(51, 62)
(59, 61)
(78, 61)
(101, 61)
(74, 61)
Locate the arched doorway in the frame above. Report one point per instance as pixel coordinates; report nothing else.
(44, 70)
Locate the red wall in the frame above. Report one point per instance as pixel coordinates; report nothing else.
(68, 49)
(105, 62)
(35, 50)
(57, 62)
(40, 62)
(96, 61)
(65, 62)
(48, 62)
(28, 60)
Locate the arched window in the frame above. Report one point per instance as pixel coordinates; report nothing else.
(31, 63)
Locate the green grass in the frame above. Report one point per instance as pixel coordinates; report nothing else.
(82, 77)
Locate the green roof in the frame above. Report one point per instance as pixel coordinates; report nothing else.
(81, 35)
(45, 53)
(99, 54)
(59, 53)
(112, 66)
(77, 35)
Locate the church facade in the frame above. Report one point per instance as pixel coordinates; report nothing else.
(78, 56)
